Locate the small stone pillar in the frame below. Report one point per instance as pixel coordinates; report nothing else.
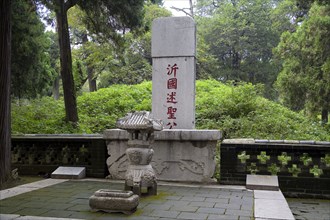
(140, 174)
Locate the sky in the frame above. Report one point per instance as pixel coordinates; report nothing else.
(178, 4)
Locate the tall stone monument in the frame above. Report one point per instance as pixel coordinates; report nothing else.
(181, 152)
(173, 52)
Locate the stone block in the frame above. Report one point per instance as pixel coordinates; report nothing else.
(262, 182)
(114, 201)
(264, 194)
(179, 97)
(69, 173)
(239, 141)
(173, 37)
(273, 209)
(179, 154)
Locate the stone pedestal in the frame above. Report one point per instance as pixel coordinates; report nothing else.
(114, 201)
(179, 155)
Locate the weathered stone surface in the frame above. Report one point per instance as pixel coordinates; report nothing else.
(114, 201)
(139, 156)
(188, 135)
(174, 71)
(262, 182)
(179, 155)
(175, 107)
(173, 36)
(239, 141)
(271, 205)
(141, 120)
(141, 126)
(69, 173)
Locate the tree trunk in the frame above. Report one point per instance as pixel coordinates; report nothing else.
(191, 8)
(91, 80)
(325, 118)
(5, 52)
(90, 75)
(56, 88)
(69, 92)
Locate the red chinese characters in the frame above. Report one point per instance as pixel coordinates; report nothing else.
(172, 84)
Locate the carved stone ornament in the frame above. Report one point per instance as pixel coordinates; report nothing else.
(140, 173)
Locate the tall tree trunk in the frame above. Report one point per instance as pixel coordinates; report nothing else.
(191, 8)
(56, 88)
(5, 52)
(91, 80)
(324, 116)
(69, 92)
(90, 75)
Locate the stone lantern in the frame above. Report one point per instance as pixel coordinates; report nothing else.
(140, 174)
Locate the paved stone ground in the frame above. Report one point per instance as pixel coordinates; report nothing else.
(70, 200)
(310, 209)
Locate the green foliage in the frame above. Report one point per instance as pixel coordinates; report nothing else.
(40, 116)
(239, 36)
(32, 73)
(304, 82)
(241, 113)
(125, 61)
(100, 110)
(237, 110)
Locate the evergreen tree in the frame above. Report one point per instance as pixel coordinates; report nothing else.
(240, 36)
(304, 82)
(105, 18)
(32, 74)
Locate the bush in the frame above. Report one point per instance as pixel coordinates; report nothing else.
(101, 109)
(239, 111)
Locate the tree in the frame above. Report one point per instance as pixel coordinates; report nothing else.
(32, 74)
(5, 64)
(105, 17)
(125, 61)
(240, 36)
(54, 53)
(304, 82)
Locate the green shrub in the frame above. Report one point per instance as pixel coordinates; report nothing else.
(39, 116)
(101, 109)
(238, 111)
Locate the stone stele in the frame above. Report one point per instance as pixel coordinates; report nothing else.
(174, 71)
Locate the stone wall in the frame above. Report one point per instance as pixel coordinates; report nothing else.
(179, 155)
(42, 154)
(302, 167)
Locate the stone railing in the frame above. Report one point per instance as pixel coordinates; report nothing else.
(303, 167)
(42, 154)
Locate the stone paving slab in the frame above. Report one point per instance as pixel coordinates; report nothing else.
(28, 187)
(271, 204)
(18, 217)
(70, 200)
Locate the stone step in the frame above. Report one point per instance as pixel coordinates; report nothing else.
(69, 173)
(262, 182)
